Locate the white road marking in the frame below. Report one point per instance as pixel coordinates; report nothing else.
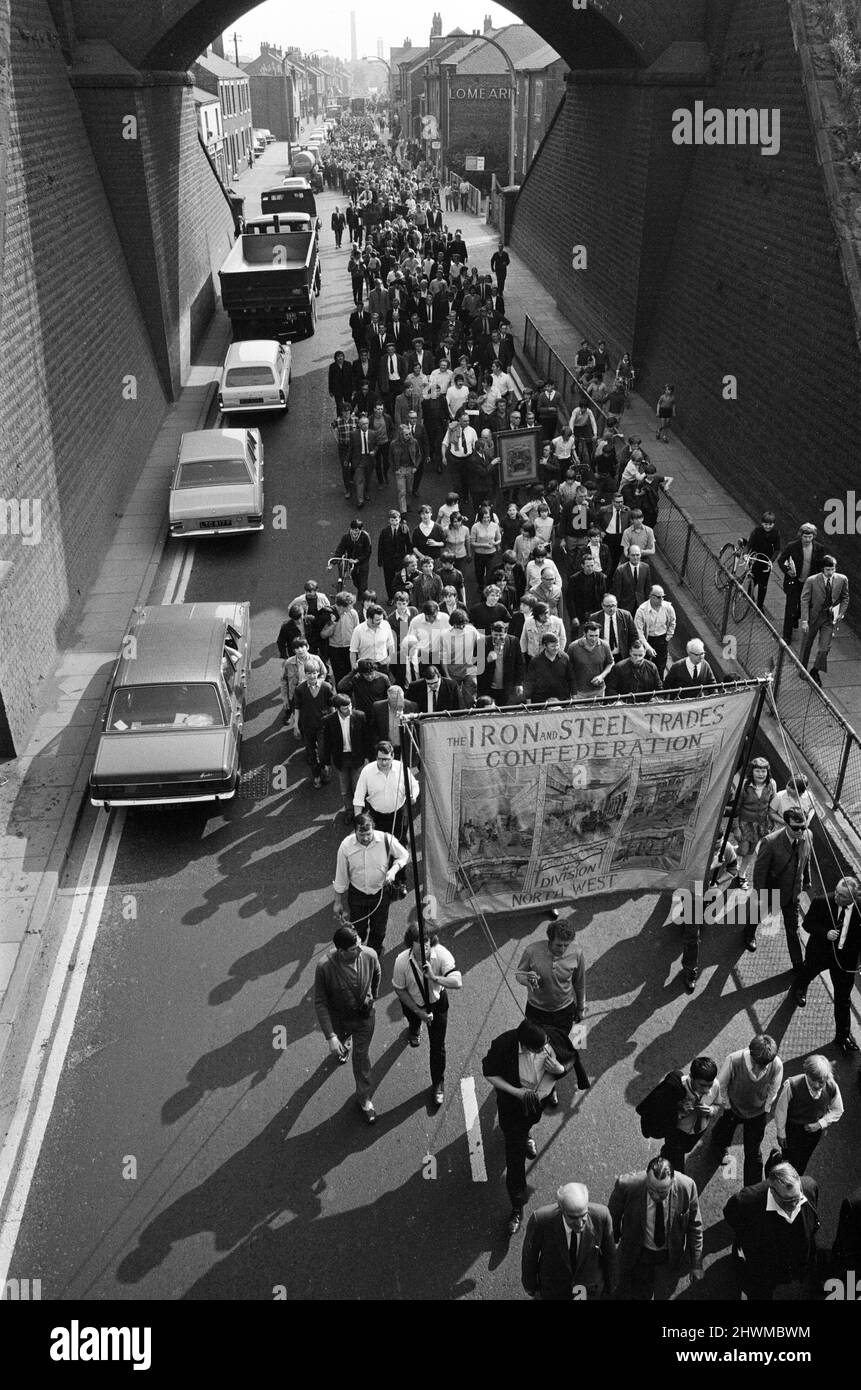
(473, 1129)
(36, 1097)
(185, 576)
(175, 571)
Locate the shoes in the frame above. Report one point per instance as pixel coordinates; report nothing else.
(800, 997)
(531, 1150)
(515, 1221)
(750, 945)
(326, 776)
(690, 984)
(739, 881)
(848, 1044)
(414, 1039)
(369, 1114)
(726, 1158)
(318, 782)
(438, 1095)
(553, 1100)
(346, 496)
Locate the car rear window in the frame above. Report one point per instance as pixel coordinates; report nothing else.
(212, 473)
(165, 707)
(249, 376)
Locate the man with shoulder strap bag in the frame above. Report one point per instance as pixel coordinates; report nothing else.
(368, 862)
(346, 985)
(424, 998)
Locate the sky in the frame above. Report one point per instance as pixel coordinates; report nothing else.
(326, 25)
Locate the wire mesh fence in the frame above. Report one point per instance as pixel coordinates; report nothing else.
(818, 730)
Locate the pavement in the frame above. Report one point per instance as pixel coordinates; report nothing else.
(209, 931)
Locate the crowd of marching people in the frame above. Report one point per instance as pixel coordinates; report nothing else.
(502, 597)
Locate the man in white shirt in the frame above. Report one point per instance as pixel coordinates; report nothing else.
(656, 622)
(639, 535)
(380, 789)
(428, 628)
(367, 862)
(373, 640)
(462, 649)
(423, 994)
(439, 380)
(540, 623)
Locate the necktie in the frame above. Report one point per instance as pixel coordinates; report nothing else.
(660, 1236)
(364, 442)
(431, 698)
(572, 1248)
(696, 671)
(828, 598)
(635, 571)
(612, 635)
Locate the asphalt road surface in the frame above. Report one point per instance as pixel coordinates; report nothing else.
(203, 1143)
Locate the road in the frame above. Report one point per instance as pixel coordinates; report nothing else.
(202, 1143)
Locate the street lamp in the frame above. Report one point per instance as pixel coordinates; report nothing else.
(512, 77)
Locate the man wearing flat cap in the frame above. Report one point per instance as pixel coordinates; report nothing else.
(783, 865)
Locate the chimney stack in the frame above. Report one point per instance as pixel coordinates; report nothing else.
(488, 24)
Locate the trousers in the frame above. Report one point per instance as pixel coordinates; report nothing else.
(369, 914)
(361, 1030)
(753, 1130)
(436, 1035)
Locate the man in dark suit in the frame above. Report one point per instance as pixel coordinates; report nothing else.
(420, 354)
(384, 722)
(692, 673)
(521, 1067)
(614, 518)
(824, 603)
(769, 1248)
(798, 560)
(568, 1250)
(376, 339)
(394, 544)
(616, 627)
(344, 738)
(632, 581)
(657, 1226)
(584, 589)
(783, 865)
(391, 375)
(363, 461)
(340, 381)
(502, 674)
(635, 675)
(360, 322)
(846, 1252)
(398, 328)
(435, 694)
(834, 924)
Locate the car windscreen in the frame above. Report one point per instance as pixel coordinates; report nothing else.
(249, 376)
(177, 706)
(226, 472)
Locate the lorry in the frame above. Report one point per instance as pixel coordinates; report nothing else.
(357, 106)
(291, 196)
(304, 165)
(270, 283)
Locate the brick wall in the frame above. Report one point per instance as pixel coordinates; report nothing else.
(712, 261)
(70, 331)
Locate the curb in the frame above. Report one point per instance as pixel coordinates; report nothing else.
(25, 992)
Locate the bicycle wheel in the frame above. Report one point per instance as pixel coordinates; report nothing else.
(725, 565)
(742, 599)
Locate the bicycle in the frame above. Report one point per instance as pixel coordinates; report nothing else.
(736, 561)
(345, 566)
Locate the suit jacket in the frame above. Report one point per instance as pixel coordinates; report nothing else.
(545, 1265)
(333, 740)
(378, 727)
(384, 383)
(605, 516)
(773, 866)
(629, 594)
(846, 1253)
(392, 550)
(512, 666)
(823, 916)
(375, 338)
(679, 677)
(626, 630)
(583, 591)
(795, 552)
(356, 445)
(378, 303)
(447, 698)
(340, 381)
(684, 1223)
(626, 679)
(360, 322)
(813, 609)
(746, 1214)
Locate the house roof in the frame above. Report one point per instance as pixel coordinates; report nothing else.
(219, 67)
(471, 44)
(534, 62)
(202, 98)
(411, 56)
(518, 40)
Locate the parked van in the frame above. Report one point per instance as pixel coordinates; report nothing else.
(256, 376)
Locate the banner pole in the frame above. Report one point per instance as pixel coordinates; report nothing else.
(406, 733)
(748, 749)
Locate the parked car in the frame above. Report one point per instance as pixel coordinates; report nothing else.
(264, 134)
(256, 374)
(217, 483)
(172, 731)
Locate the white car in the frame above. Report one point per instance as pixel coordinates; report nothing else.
(217, 484)
(256, 376)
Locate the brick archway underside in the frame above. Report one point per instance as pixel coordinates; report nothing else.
(610, 33)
